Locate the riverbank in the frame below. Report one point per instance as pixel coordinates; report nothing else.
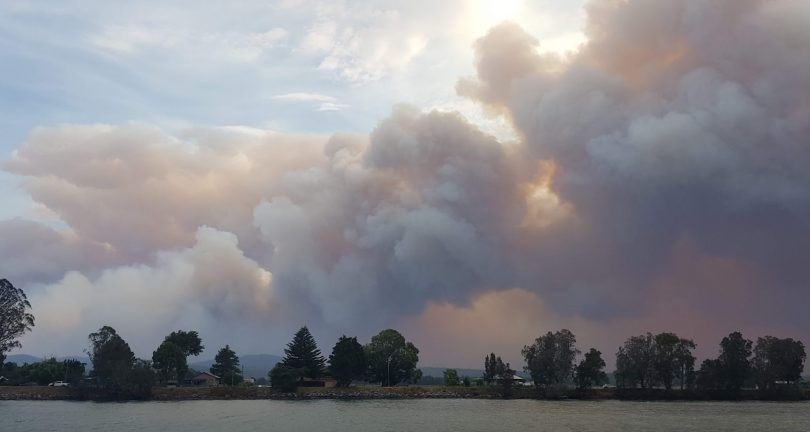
(411, 392)
(256, 392)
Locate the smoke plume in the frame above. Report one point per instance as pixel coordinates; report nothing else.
(659, 182)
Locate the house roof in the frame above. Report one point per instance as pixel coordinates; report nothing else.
(206, 374)
(514, 378)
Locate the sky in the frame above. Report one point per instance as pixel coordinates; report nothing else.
(472, 173)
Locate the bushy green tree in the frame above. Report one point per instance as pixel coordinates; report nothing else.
(303, 353)
(111, 357)
(672, 358)
(685, 362)
(777, 360)
(731, 369)
(171, 357)
(226, 363)
(285, 378)
(590, 371)
(550, 359)
(140, 380)
(15, 319)
(74, 371)
(347, 361)
(116, 368)
(391, 358)
(451, 378)
(13, 373)
(735, 361)
(46, 371)
(635, 362)
(188, 341)
(710, 376)
(491, 368)
(170, 361)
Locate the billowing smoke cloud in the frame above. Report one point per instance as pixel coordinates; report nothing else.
(678, 122)
(677, 118)
(33, 252)
(660, 183)
(210, 286)
(423, 211)
(138, 190)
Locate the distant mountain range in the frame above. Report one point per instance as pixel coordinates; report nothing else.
(22, 359)
(255, 365)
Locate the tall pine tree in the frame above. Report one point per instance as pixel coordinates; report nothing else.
(303, 353)
(225, 362)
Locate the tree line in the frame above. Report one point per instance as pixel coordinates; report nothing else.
(387, 359)
(644, 361)
(662, 360)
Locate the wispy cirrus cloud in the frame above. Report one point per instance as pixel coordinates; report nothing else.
(239, 46)
(304, 97)
(323, 102)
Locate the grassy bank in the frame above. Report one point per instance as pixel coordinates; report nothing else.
(412, 392)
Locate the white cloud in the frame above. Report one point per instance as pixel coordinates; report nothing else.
(322, 102)
(330, 106)
(304, 97)
(143, 40)
(362, 42)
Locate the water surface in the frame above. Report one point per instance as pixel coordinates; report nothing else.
(469, 415)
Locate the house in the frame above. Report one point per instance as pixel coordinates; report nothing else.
(249, 381)
(518, 380)
(205, 379)
(515, 380)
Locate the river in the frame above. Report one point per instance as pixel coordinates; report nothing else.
(467, 415)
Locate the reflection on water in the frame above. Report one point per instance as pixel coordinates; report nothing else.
(407, 415)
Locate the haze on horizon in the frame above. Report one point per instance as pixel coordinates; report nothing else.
(471, 173)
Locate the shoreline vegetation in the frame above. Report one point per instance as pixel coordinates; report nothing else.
(648, 367)
(164, 394)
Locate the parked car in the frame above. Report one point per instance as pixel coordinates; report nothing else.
(59, 384)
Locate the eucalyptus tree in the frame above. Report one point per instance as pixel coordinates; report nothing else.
(550, 359)
(392, 359)
(15, 318)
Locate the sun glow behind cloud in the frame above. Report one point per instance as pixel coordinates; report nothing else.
(558, 26)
